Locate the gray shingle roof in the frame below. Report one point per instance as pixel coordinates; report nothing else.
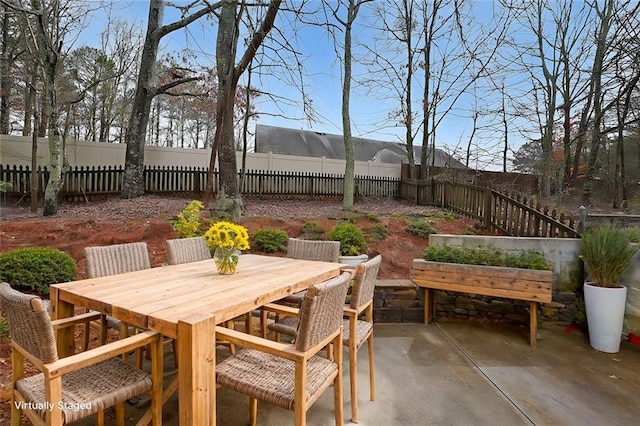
(306, 143)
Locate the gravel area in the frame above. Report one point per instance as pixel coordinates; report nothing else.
(153, 206)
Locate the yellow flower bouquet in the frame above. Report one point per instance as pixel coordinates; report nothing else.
(226, 239)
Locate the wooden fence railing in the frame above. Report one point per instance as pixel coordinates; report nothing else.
(95, 182)
(509, 215)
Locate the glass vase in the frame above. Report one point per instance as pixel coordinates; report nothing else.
(226, 259)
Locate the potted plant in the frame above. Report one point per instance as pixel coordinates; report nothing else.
(353, 243)
(607, 252)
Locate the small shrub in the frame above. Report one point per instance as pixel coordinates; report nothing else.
(187, 223)
(486, 256)
(440, 215)
(420, 227)
(270, 240)
(34, 268)
(352, 240)
(378, 232)
(311, 231)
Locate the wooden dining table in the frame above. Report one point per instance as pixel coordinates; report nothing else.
(185, 302)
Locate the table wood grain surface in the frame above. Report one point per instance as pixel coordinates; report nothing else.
(185, 302)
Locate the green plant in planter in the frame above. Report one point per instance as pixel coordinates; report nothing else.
(486, 256)
(607, 250)
(352, 239)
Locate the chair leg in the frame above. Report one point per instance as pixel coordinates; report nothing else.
(263, 323)
(87, 332)
(253, 411)
(247, 323)
(353, 382)
(119, 407)
(337, 383)
(372, 380)
(100, 418)
(231, 325)
(15, 415)
(103, 330)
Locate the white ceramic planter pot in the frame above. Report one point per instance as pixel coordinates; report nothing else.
(353, 260)
(605, 315)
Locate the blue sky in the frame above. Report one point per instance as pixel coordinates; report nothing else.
(323, 80)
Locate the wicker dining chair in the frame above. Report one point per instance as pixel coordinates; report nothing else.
(185, 250)
(77, 386)
(322, 251)
(356, 330)
(102, 261)
(292, 376)
(115, 259)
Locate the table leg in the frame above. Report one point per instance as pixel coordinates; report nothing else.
(65, 338)
(533, 324)
(429, 305)
(196, 371)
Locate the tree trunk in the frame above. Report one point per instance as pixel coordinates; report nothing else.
(349, 168)
(598, 114)
(228, 76)
(5, 76)
(226, 47)
(33, 180)
(56, 153)
(135, 135)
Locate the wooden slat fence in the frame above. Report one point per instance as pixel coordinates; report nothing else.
(84, 183)
(506, 214)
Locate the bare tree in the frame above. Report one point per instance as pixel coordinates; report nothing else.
(45, 28)
(228, 75)
(352, 8)
(146, 89)
(445, 54)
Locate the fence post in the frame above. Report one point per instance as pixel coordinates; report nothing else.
(582, 219)
(488, 207)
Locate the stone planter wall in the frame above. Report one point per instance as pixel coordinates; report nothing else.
(398, 301)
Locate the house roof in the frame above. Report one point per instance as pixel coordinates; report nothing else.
(306, 143)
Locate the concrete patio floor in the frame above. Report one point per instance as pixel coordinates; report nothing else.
(469, 373)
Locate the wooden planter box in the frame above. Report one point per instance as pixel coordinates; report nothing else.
(510, 283)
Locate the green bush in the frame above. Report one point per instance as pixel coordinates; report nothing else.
(378, 232)
(34, 268)
(421, 228)
(486, 256)
(352, 240)
(311, 231)
(270, 240)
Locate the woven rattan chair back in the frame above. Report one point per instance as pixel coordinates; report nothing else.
(103, 261)
(29, 323)
(321, 311)
(365, 282)
(323, 251)
(185, 250)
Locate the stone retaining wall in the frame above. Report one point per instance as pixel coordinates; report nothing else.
(397, 301)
